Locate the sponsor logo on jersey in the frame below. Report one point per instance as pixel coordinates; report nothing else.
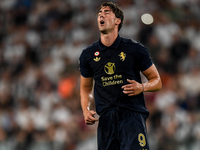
(110, 68)
(97, 59)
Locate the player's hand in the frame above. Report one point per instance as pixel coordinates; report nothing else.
(134, 88)
(89, 117)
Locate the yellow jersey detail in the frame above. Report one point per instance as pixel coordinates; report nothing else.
(97, 59)
(122, 56)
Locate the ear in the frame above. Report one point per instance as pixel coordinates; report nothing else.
(117, 21)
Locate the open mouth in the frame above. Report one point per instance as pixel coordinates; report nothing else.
(102, 22)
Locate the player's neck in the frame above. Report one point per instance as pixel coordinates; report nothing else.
(109, 38)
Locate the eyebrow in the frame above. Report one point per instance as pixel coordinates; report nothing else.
(104, 11)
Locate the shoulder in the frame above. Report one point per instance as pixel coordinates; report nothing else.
(91, 47)
(128, 41)
(136, 45)
(89, 51)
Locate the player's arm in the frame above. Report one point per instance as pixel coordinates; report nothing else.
(154, 83)
(86, 86)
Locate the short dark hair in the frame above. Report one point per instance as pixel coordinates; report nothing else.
(115, 9)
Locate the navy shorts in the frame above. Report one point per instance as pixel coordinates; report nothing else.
(122, 129)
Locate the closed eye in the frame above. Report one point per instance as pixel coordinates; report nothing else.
(105, 11)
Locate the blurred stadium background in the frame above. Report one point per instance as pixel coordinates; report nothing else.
(40, 43)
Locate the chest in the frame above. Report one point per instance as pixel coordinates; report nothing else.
(113, 61)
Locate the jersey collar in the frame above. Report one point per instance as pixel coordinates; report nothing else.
(114, 45)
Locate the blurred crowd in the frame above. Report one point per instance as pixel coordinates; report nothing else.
(40, 43)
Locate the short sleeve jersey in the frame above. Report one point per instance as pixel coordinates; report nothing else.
(111, 67)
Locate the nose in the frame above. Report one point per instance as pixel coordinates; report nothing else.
(101, 15)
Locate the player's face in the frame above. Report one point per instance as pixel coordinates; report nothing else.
(106, 20)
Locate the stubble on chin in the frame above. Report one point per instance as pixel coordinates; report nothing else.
(103, 31)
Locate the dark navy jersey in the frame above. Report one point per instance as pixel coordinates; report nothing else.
(111, 67)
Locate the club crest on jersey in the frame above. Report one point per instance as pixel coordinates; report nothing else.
(122, 56)
(96, 53)
(97, 59)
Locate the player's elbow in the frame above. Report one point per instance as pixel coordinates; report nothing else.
(159, 85)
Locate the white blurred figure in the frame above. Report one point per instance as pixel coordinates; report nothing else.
(73, 51)
(192, 33)
(7, 4)
(60, 114)
(165, 30)
(165, 98)
(39, 118)
(33, 38)
(52, 68)
(89, 144)
(191, 82)
(23, 115)
(191, 62)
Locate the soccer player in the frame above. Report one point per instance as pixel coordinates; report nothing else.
(114, 64)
